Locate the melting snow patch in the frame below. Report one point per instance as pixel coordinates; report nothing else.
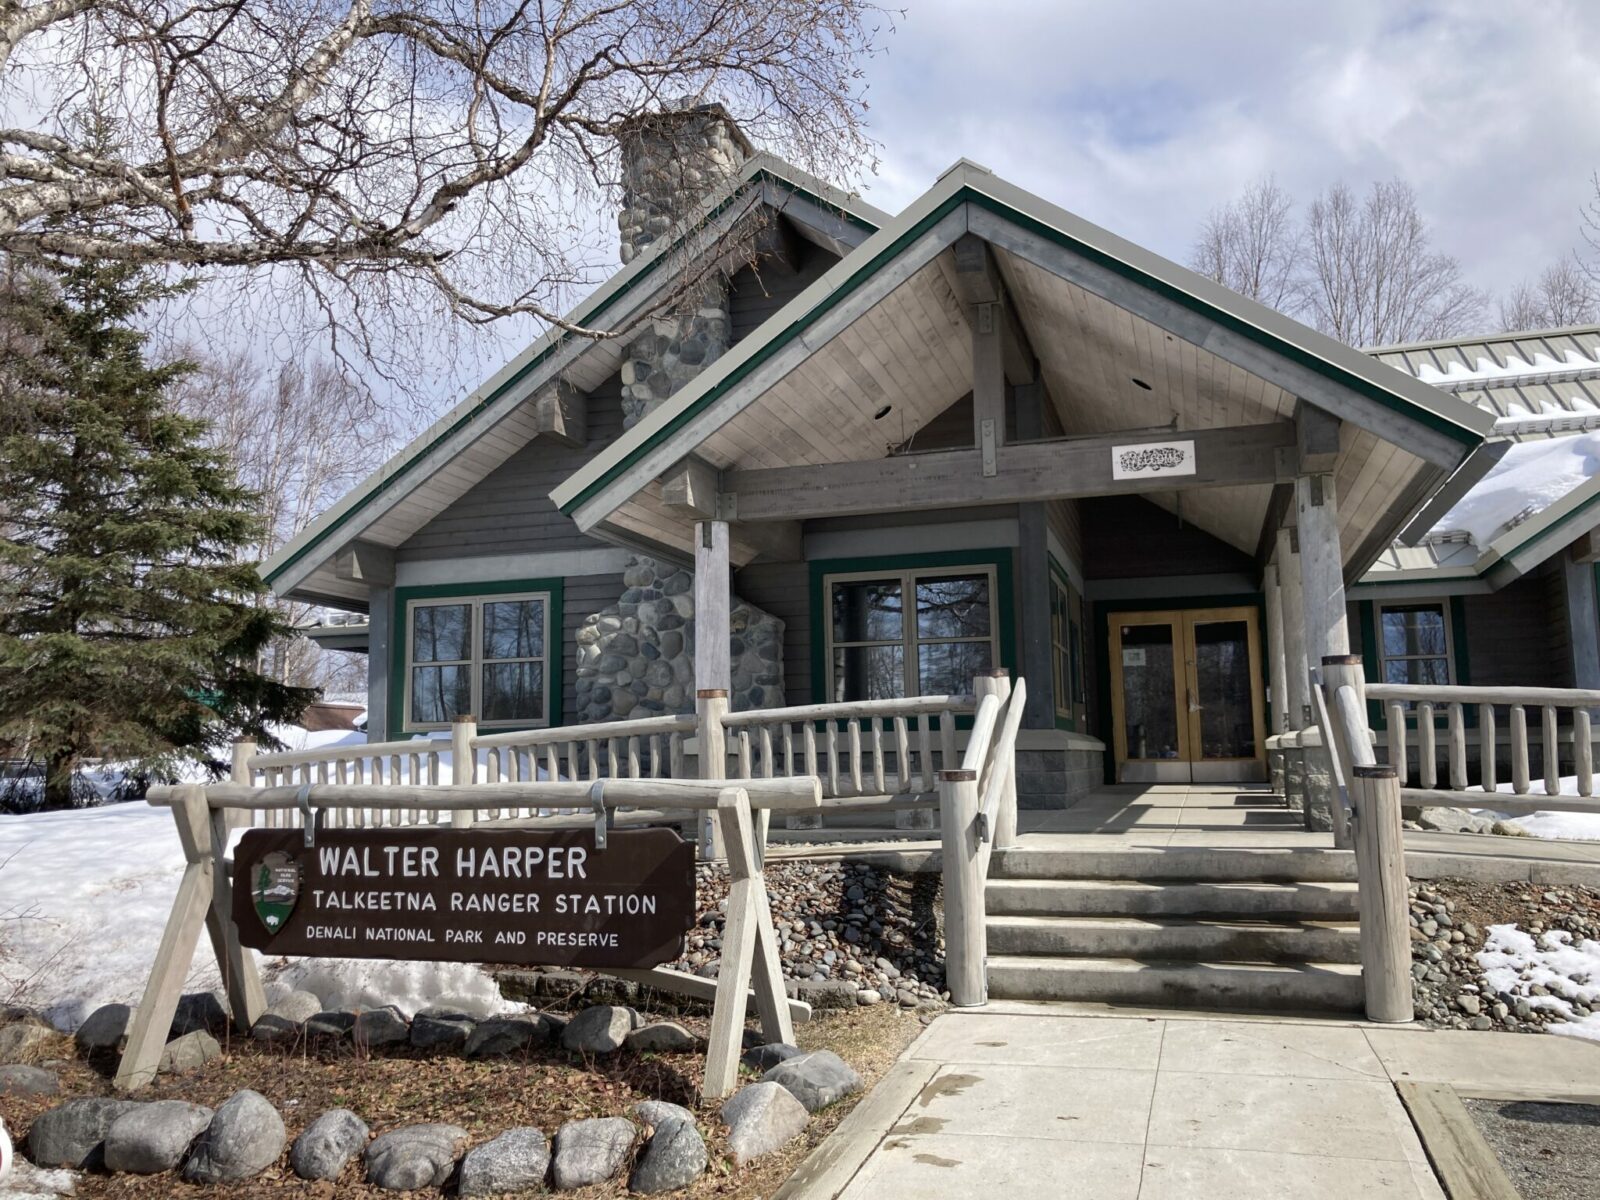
(1514, 961)
(1531, 477)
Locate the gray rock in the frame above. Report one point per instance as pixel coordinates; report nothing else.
(381, 1027)
(442, 1030)
(199, 1010)
(763, 1058)
(601, 1029)
(674, 1158)
(665, 1036)
(762, 1117)
(20, 1038)
(500, 1036)
(18, 1080)
(656, 1113)
(154, 1137)
(592, 1151)
(188, 1053)
(817, 1079)
(326, 1145)
(73, 1134)
(516, 1161)
(105, 1029)
(244, 1139)
(297, 1006)
(275, 1030)
(416, 1156)
(329, 1025)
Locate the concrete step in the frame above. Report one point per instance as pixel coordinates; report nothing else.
(1322, 987)
(1176, 938)
(1309, 865)
(1103, 897)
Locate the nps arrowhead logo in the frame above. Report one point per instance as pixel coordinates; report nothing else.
(275, 889)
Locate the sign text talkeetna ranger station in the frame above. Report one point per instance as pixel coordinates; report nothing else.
(506, 896)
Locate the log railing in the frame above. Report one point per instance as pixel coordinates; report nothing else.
(1561, 715)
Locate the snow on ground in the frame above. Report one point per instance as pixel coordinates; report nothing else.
(84, 896)
(1566, 826)
(1514, 961)
(1531, 477)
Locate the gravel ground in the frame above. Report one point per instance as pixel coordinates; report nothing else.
(1549, 1151)
(1449, 920)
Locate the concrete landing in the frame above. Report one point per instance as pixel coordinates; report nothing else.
(1031, 1101)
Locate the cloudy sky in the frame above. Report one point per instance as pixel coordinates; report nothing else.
(1141, 115)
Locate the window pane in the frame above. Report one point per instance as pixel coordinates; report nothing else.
(1414, 629)
(513, 629)
(440, 694)
(947, 668)
(867, 610)
(869, 673)
(1150, 716)
(953, 606)
(443, 632)
(513, 691)
(1427, 671)
(1222, 668)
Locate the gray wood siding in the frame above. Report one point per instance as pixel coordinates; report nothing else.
(784, 590)
(1515, 638)
(583, 596)
(510, 511)
(1127, 537)
(753, 295)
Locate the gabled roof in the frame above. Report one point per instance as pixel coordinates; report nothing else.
(497, 418)
(1046, 253)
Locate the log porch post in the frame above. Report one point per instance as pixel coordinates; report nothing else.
(1297, 691)
(712, 674)
(1277, 666)
(1327, 631)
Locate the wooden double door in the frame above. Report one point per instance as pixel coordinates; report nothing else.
(1187, 701)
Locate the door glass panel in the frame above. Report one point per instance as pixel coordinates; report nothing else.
(1222, 670)
(1150, 718)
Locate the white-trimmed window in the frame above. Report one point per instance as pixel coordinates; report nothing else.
(486, 655)
(1414, 643)
(893, 634)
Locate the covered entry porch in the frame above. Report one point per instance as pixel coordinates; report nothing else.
(1148, 493)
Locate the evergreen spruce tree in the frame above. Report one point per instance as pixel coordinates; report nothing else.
(129, 627)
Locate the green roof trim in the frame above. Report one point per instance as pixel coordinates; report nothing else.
(758, 177)
(968, 194)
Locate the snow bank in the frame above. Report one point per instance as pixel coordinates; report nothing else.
(93, 887)
(1562, 826)
(1513, 961)
(1531, 477)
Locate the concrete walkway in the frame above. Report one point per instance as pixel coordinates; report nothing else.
(1017, 1101)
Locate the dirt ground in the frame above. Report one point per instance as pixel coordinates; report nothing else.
(393, 1087)
(1549, 1151)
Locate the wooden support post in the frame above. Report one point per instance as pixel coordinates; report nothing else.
(997, 683)
(152, 1021)
(1385, 910)
(1294, 635)
(1340, 671)
(463, 765)
(1327, 630)
(965, 970)
(710, 706)
(1277, 664)
(749, 953)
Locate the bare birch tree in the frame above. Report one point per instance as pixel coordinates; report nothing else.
(1374, 277)
(300, 438)
(1562, 295)
(1252, 246)
(385, 161)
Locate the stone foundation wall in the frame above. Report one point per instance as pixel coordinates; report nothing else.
(1057, 778)
(636, 657)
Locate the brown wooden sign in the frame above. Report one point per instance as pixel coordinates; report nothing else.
(464, 895)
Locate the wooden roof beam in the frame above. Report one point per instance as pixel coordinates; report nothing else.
(974, 276)
(561, 412)
(1060, 468)
(690, 489)
(1316, 439)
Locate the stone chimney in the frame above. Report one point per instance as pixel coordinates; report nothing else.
(670, 159)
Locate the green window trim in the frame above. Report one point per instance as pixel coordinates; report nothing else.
(400, 639)
(1004, 612)
(1372, 663)
(1077, 689)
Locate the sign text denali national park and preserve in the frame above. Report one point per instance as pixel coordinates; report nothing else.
(490, 896)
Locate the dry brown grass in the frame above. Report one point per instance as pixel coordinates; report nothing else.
(548, 1087)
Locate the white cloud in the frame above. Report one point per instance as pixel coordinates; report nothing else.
(1143, 116)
